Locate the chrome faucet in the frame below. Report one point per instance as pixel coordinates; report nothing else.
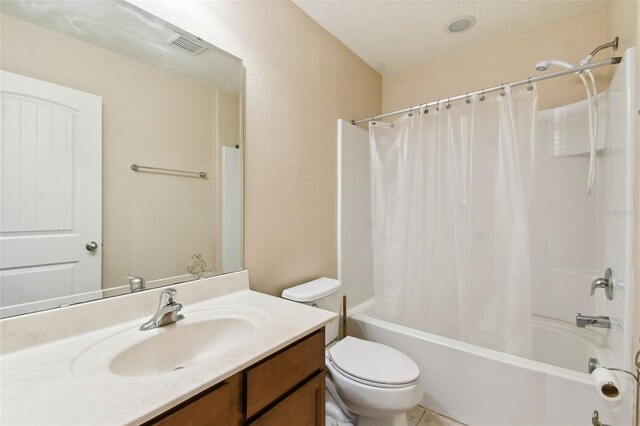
(583, 321)
(167, 311)
(136, 283)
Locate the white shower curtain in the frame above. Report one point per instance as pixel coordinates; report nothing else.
(451, 191)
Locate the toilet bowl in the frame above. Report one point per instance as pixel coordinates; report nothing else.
(373, 381)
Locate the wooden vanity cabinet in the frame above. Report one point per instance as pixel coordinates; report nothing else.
(286, 388)
(214, 407)
(305, 406)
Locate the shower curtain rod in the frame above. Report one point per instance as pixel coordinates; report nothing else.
(612, 61)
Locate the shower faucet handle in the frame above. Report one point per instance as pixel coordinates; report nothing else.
(606, 283)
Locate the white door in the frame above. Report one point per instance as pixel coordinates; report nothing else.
(50, 194)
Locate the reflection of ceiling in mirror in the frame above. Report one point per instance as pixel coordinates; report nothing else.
(121, 27)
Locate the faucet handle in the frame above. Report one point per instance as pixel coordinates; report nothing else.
(135, 283)
(606, 283)
(597, 283)
(166, 297)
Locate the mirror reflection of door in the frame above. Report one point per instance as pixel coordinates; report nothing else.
(167, 101)
(50, 204)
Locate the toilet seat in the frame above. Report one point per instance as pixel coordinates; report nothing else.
(373, 364)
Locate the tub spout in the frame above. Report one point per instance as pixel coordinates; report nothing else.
(583, 321)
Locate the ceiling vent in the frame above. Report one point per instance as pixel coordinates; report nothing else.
(186, 44)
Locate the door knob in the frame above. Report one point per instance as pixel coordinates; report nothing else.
(92, 246)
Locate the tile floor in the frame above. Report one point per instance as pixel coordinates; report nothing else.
(420, 416)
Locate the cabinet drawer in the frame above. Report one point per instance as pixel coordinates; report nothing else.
(211, 409)
(304, 407)
(281, 372)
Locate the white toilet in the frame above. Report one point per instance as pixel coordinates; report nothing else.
(373, 381)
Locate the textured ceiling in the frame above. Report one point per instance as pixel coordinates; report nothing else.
(123, 28)
(391, 35)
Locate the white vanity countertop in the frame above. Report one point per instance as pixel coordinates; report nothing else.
(53, 382)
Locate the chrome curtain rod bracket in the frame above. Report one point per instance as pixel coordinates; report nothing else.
(136, 167)
(482, 92)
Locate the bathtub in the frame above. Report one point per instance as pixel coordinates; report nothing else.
(479, 386)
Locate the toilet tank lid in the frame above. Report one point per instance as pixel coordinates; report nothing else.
(312, 290)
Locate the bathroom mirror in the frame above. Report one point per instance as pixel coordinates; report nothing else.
(120, 154)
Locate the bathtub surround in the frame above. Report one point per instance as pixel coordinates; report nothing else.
(298, 74)
(623, 19)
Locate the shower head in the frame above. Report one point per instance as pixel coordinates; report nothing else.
(544, 65)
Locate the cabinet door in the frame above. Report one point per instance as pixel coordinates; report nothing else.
(212, 409)
(304, 407)
(269, 380)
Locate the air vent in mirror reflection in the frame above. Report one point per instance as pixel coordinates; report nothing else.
(186, 44)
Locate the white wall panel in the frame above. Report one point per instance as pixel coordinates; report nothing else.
(354, 213)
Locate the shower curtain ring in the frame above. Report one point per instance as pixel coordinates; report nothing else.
(502, 90)
(482, 98)
(448, 103)
(529, 87)
(426, 108)
(468, 98)
(438, 105)
(410, 111)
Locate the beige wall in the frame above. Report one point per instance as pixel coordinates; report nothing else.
(502, 60)
(622, 21)
(149, 117)
(299, 81)
(636, 254)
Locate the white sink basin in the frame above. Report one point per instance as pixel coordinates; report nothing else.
(176, 346)
(200, 337)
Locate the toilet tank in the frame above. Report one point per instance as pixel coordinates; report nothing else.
(323, 293)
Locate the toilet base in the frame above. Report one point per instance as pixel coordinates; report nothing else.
(397, 420)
